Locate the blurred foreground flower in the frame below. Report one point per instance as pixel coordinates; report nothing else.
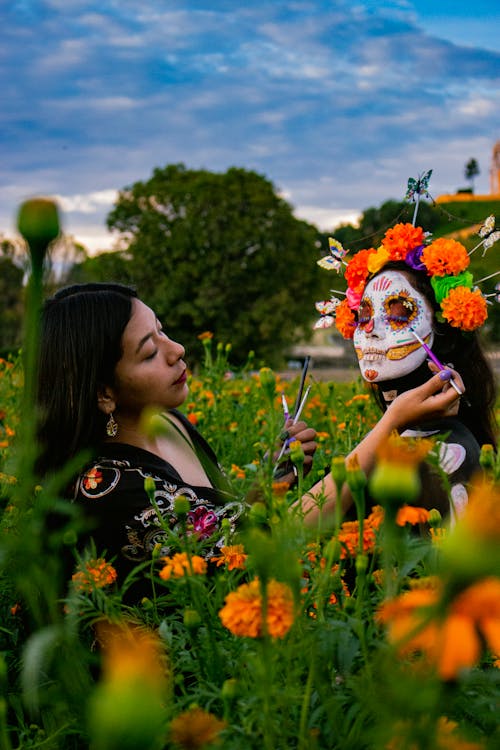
(243, 609)
(195, 729)
(449, 640)
(446, 737)
(180, 565)
(126, 710)
(471, 549)
(38, 222)
(395, 479)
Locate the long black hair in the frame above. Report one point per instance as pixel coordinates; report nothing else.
(80, 344)
(461, 350)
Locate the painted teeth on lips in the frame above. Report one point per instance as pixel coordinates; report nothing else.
(372, 355)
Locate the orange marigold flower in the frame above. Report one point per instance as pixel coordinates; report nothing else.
(180, 565)
(445, 257)
(94, 574)
(449, 641)
(349, 538)
(356, 271)
(237, 471)
(280, 488)
(192, 417)
(412, 515)
(401, 238)
(205, 336)
(195, 729)
(233, 556)
(242, 611)
(464, 308)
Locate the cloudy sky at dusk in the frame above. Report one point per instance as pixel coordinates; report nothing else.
(337, 102)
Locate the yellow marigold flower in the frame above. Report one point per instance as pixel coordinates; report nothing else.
(412, 515)
(451, 641)
(242, 611)
(180, 565)
(233, 556)
(464, 308)
(94, 574)
(378, 259)
(195, 729)
(445, 257)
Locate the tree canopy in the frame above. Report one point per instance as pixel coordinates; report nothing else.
(221, 253)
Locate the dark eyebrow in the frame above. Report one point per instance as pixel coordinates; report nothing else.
(142, 342)
(146, 337)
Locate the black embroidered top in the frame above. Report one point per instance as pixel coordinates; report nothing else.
(125, 523)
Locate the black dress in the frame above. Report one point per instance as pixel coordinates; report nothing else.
(125, 524)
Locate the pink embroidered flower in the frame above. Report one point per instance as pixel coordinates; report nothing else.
(203, 521)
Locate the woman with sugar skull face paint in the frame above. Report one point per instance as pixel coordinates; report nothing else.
(394, 307)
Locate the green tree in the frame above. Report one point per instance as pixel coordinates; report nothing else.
(220, 253)
(471, 171)
(11, 297)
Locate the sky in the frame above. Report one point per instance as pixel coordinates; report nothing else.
(336, 102)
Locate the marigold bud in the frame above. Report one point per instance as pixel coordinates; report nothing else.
(394, 485)
(149, 485)
(338, 470)
(297, 452)
(38, 222)
(361, 563)
(355, 476)
(229, 688)
(268, 382)
(258, 513)
(181, 506)
(192, 619)
(435, 518)
(487, 456)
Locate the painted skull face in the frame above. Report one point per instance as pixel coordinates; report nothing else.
(384, 344)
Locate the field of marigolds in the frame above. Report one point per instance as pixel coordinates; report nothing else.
(381, 632)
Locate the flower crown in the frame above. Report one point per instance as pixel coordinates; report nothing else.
(445, 260)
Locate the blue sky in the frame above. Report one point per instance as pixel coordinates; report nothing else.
(336, 102)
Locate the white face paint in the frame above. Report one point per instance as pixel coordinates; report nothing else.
(385, 346)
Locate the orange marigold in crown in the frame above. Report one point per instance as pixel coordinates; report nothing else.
(444, 260)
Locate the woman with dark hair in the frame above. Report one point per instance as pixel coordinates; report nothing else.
(104, 359)
(404, 300)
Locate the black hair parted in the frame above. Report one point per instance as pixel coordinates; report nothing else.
(80, 344)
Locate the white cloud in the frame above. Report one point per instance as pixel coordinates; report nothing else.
(88, 203)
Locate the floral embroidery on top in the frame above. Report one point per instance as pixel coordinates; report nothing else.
(92, 478)
(203, 520)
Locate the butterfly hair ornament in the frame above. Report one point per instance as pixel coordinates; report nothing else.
(444, 260)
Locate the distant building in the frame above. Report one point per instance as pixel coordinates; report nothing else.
(494, 183)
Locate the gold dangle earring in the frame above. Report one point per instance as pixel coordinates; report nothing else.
(111, 426)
